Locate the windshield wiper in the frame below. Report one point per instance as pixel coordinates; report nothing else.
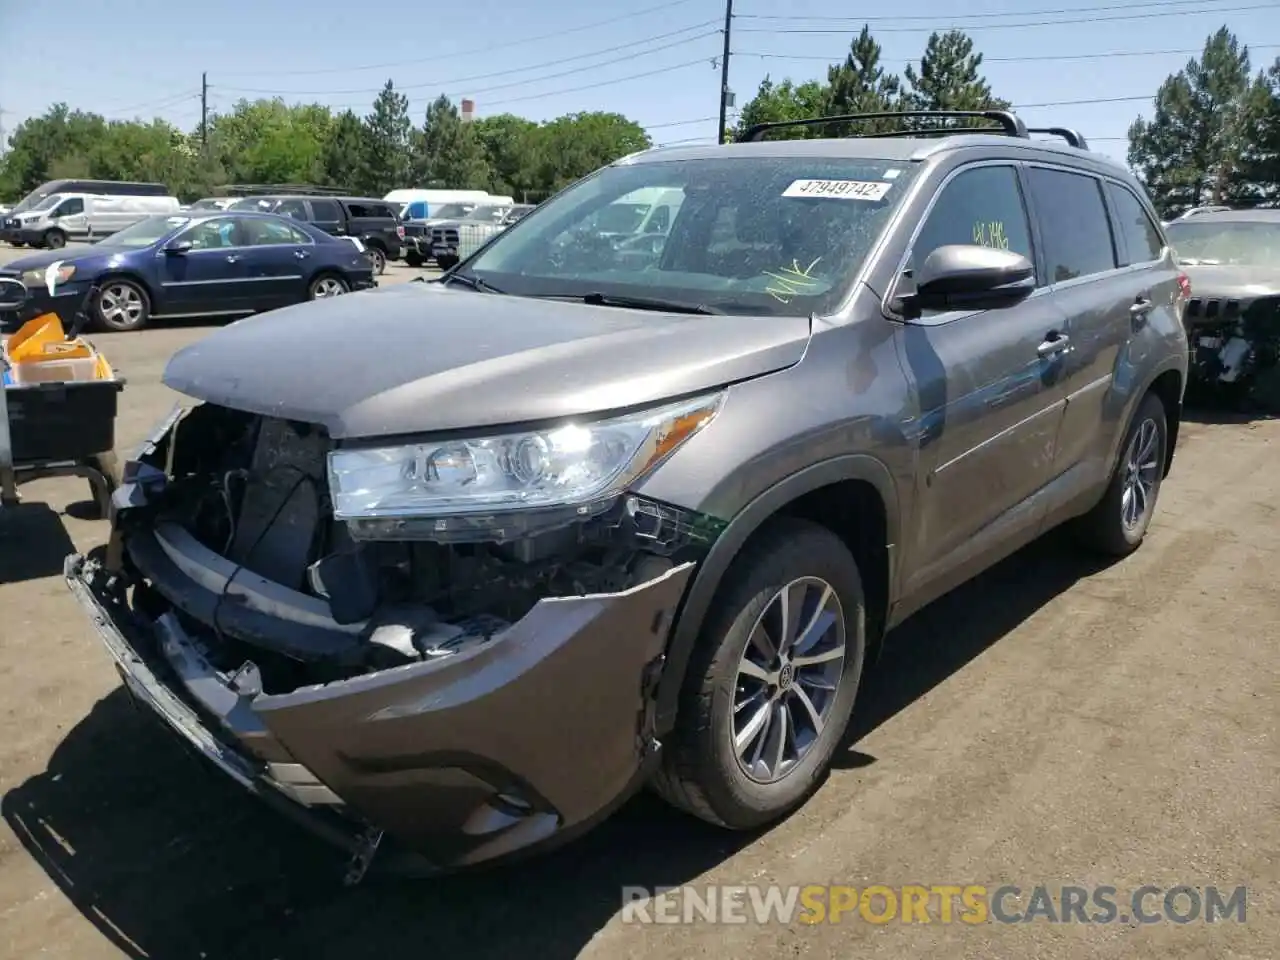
(474, 282)
(635, 303)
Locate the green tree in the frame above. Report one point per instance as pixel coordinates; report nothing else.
(949, 78)
(861, 85)
(387, 142)
(578, 143)
(342, 156)
(775, 102)
(511, 145)
(447, 152)
(1260, 161)
(1194, 148)
(270, 141)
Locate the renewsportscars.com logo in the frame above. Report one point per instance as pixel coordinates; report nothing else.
(970, 904)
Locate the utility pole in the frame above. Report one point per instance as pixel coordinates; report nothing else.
(724, 69)
(204, 112)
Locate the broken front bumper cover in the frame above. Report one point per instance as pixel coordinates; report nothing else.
(463, 759)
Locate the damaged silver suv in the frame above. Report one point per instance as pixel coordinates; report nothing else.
(468, 561)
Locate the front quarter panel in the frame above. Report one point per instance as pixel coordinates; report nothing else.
(845, 412)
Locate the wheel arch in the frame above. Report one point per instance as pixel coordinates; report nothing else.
(854, 496)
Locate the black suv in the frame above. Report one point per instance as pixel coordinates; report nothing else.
(640, 507)
(375, 223)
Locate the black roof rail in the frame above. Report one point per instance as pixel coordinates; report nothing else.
(1011, 125)
(1073, 137)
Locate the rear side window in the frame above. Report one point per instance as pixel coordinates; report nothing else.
(1073, 222)
(1139, 236)
(376, 210)
(327, 210)
(980, 206)
(292, 208)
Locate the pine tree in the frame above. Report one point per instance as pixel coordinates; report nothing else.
(1194, 150)
(343, 153)
(448, 153)
(861, 85)
(950, 78)
(386, 142)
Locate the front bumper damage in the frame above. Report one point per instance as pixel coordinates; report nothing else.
(462, 757)
(1235, 348)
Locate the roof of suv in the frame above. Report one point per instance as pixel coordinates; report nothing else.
(879, 148)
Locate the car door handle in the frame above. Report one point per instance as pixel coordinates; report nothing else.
(233, 258)
(1053, 343)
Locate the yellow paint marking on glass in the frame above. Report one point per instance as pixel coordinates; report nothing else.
(990, 234)
(789, 281)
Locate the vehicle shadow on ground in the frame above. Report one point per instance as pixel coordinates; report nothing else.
(168, 859)
(33, 542)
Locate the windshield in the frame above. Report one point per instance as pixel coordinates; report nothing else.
(1251, 243)
(453, 211)
(487, 213)
(259, 204)
(771, 235)
(143, 233)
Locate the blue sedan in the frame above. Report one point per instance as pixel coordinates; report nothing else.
(202, 264)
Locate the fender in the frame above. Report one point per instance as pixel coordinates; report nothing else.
(1131, 407)
(701, 591)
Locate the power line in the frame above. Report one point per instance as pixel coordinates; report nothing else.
(933, 18)
(554, 35)
(986, 59)
(1013, 26)
(154, 104)
(458, 81)
(701, 61)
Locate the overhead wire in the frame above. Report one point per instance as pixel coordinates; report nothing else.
(985, 59)
(933, 18)
(455, 82)
(523, 41)
(938, 25)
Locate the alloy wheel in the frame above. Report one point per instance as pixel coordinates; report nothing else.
(788, 678)
(1141, 471)
(120, 304)
(328, 287)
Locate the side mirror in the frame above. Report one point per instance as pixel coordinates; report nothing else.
(970, 277)
(178, 248)
(13, 294)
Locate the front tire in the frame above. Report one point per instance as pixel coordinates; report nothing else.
(55, 239)
(772, 682)
(414, 260)
(121, 305)
(1117, 525)
(446, 263)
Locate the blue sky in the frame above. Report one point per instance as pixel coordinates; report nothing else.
(651, 60)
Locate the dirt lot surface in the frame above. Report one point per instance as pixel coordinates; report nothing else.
(1055, 722)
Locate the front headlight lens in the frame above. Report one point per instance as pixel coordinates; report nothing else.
(569, 465)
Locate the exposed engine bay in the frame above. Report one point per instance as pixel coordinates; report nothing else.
(1235, 349)
(254, 491)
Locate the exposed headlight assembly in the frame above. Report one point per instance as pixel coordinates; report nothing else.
(443, 489)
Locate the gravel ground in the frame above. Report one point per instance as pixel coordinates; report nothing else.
(1054, 722)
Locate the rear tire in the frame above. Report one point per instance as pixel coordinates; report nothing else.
(327, 285)
(1118, 523)
(121, 305)
(55, 239)
(712, 767)
(379, 260)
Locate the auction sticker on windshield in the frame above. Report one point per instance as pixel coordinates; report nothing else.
(838, 189)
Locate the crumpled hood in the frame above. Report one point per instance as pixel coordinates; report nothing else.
(423, 358)
(1232, 281)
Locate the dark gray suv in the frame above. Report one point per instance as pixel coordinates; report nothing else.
(598, 509)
